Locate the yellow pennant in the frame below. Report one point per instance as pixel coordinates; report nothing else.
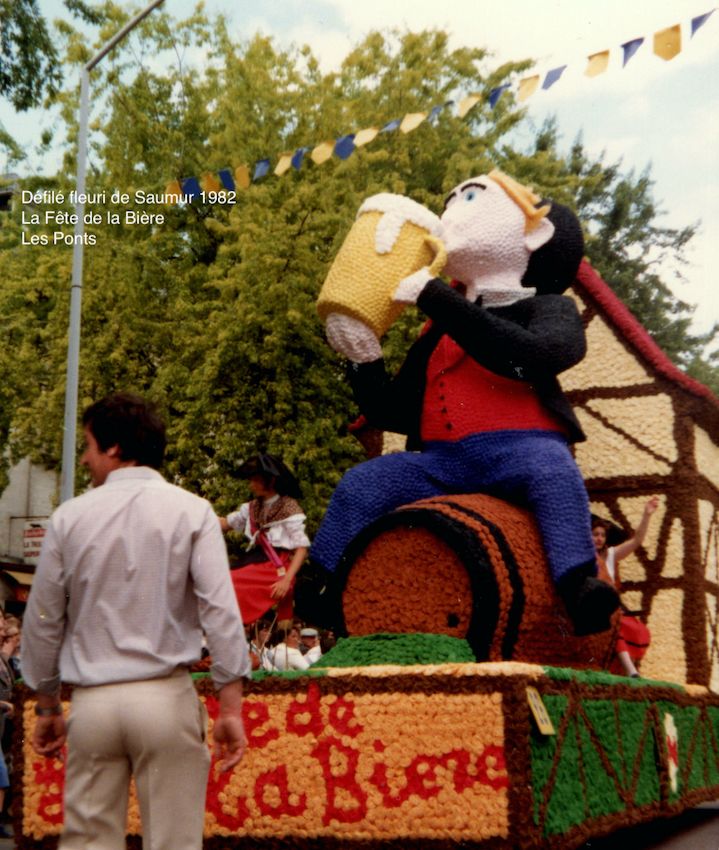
(668, 42)
(209, 182)
(411, 121)
(364, 137)
(242, 177)
(527, 87)
(173, 191)
(284, 164)
(322, 152)
(597, 63)
(466, 104)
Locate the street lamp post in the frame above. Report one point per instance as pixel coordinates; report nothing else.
(69, 441)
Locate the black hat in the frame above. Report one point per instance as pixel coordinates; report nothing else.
(270, 465)
(554, 266)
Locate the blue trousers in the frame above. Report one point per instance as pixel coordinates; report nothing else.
(532, 469)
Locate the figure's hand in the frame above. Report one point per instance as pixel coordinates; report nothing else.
(281, 588)
(410, 287)
(49, 736)
(651, 505)
(352, 338)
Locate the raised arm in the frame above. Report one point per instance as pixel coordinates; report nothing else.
(634, 542)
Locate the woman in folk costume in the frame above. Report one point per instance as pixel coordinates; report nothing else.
(612, 546)
(274, 524)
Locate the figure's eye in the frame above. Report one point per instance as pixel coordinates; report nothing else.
(470, 195)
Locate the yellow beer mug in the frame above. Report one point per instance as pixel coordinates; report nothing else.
(392, 237)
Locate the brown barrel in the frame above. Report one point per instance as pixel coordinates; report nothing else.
(470, 567)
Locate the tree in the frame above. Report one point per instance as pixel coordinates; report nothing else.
(212, 311)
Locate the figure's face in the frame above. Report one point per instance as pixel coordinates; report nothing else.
(483, 231)
(293, 638)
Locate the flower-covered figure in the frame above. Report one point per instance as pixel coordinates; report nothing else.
(477, 394)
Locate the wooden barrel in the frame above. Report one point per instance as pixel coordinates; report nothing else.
(471, 567)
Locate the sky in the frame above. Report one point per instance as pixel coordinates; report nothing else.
(653, 112)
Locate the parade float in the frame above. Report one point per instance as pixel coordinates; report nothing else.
(462, 707)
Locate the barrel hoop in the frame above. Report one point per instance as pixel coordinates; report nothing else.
(468, 548)
(516, 608)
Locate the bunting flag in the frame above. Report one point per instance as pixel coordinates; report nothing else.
(284, 164)
(667, 44)
(344, 147)
(298, 158)
(262, 167)
(466, 104)
(597, 63)
(699, 21)
(242, 177)
(226, 179)
(322, 152)
(191, 187)
(411, 121)
(209, 182)
(364, 137)
(496, 93)
(527, 87)
(553, 77)
(629, 48)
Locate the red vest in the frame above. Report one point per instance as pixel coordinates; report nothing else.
(462, 398)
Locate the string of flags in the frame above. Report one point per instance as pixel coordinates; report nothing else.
(666, 44)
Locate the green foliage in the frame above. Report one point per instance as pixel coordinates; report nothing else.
(212, 313)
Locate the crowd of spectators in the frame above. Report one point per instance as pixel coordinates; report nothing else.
(10, 627)
(292, 646)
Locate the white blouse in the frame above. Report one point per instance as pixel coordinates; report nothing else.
(288, 533)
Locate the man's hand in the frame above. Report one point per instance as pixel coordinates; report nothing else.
(230, 741)
(49, 736)
(229, 731)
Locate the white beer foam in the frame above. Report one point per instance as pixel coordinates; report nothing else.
(397, 210)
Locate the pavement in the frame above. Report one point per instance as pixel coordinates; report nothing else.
(695, 829)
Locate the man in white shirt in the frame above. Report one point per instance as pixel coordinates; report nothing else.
(130, 575)
(310, 645)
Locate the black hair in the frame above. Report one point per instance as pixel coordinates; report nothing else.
(130, 422)
(273, 471)
(553, 267)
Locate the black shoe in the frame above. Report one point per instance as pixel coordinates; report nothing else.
(589, 601)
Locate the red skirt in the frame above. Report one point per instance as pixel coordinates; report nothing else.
(253, 584)
(634, 637)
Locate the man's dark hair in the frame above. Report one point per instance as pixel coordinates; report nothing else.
(130, 422)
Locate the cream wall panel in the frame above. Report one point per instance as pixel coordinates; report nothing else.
(648, 419)
(706, 454)
(665, 658)
(606, 454)
(607, 363)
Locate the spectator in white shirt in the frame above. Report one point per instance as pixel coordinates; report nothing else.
(285, 654)
(130, 575)
(310, 645)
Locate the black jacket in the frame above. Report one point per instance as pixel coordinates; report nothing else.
(532, 340)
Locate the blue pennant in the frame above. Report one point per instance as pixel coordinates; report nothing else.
(191, 187)
(630, 48)
(552, 77)
(262, 167)
(227, 179)
(345, 145)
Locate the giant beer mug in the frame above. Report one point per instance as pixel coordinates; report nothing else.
(392, 237)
